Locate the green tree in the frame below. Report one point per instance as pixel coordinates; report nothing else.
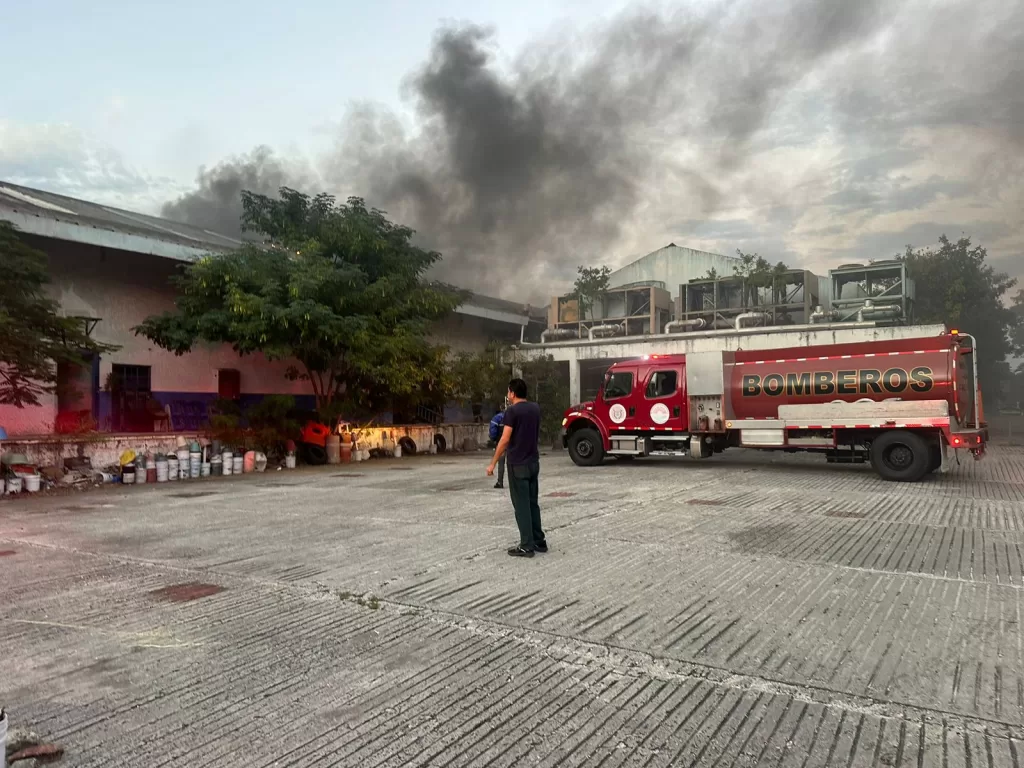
(339, 288)
(34, 336)
(548, 383)
(1017, 327)
(761, 280)
(590, 283)
(480, 377)
(955, 285)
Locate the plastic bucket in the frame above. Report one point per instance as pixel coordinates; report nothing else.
(249, 462)
(289, 461)
(205, 469)
(128, 475)
(195, 463)
(14, 485)
(334, 449)
(172, 468)
(140, 473)
(32, 483)
(228, 461)
(237, 465)
(183, 467)
(161, 471)
(216, 466)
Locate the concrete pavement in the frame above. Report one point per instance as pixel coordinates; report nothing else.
(749, 610)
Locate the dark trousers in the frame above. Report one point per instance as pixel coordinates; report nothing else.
(523, 487)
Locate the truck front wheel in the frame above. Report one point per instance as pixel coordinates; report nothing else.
(900, 456)
(586, 448)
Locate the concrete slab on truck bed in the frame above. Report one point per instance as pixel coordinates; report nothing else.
(749, 610)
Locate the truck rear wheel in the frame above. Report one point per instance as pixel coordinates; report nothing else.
(899, 456)
(586, 448)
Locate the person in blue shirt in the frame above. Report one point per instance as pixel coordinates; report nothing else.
(494, 433)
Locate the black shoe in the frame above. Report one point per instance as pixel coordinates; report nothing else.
(499, 485)
(540, 546)
(520, 552)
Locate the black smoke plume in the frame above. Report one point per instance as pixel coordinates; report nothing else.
(593, 138)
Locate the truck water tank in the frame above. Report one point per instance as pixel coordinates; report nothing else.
(919, 369)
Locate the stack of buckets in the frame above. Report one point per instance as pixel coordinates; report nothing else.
(191, 461)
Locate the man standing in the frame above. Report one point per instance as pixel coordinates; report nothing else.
(519, 439)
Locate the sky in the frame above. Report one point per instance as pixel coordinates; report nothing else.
(530, 137)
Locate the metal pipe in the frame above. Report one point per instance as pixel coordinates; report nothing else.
(611, 327)
(556, 332)
(820, 313)
(749, 316)
(696, 323)
(870, 308)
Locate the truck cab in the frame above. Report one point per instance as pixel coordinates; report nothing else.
(641, 409)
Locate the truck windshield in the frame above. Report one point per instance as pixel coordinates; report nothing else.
(618, 384)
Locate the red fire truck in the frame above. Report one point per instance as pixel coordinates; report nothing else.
(898, 403)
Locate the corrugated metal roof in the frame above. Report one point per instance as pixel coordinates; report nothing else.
(68, 218)
(503, 305)
(15, 199)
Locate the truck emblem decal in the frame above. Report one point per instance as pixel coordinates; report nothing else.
(617, 413)
(866, 381)
(659, 413)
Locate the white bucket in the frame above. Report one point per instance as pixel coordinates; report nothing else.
(161, 471)
(172, 468)
(398, 451)
(289, 461)
(3, 740)
(195, 464)
(205, 469)
(128, 478)
(228, 462)
(14, 485)
(32, 483)
(140, 473)
(238, 465)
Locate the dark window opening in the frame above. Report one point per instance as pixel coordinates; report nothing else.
(132, 408)
(662, 384)
(618, 384)
(229, 384)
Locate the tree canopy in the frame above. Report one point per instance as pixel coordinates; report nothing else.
(590, 283)
(339, 288)
(955, 285)
(34, 337)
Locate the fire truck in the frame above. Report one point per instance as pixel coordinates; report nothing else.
(901, 404)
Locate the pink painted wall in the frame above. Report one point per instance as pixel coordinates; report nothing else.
(123, 288)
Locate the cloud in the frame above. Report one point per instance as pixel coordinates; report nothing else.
(59, 158)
